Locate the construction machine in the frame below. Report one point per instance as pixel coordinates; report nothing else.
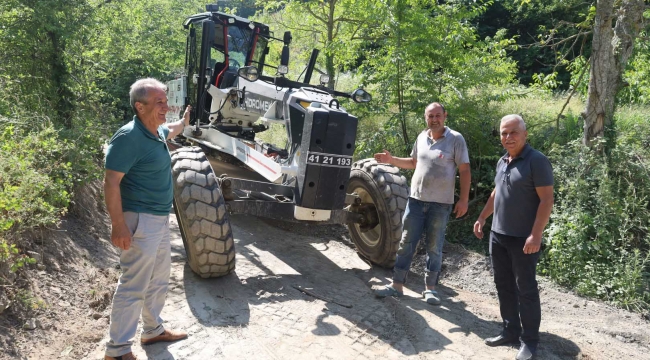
(220, 167)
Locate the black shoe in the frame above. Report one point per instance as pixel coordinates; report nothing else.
(501, 340)
(525, 353)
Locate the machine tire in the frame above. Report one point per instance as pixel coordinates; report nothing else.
(201, 212)
(387, 189)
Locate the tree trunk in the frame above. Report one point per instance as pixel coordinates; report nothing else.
(400, 88)
(329, 58)
(63, 104)
(612, 47)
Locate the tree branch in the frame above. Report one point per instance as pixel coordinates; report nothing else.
(344, 19)
(321, 19)
(575, 89)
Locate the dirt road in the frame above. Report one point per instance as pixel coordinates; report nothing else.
(258, 312)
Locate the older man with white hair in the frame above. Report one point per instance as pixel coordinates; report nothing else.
(139, 194)
(521, 201)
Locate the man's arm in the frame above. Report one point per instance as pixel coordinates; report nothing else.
(120, 234)
(534, 241)
(404, 163)
(488, 209)
(465, 180)
(177, 127)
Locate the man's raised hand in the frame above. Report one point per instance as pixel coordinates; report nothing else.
(384, 157)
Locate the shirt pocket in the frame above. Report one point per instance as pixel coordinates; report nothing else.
(441, 157)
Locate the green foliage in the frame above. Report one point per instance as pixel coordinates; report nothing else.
(410, 72)
(28, 301)
(637, 87)
(11, 257)
(540, 110)
(599, 242)
(545, 81)
(65, 71)
(336, 28)
(125, 41)
(539, 28)
(37, 173)
(579, 69)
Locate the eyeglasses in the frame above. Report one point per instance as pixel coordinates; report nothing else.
(505, 175)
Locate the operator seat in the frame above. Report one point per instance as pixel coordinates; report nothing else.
(223, 78)
(229, 77)
(218, 68)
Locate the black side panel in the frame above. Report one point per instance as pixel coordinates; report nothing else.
(193, 53)
(297, 116)
(327, 148)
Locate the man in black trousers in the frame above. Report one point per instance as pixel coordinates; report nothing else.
(521, 201)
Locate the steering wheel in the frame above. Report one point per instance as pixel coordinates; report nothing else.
(233, 63)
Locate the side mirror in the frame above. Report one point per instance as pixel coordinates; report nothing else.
(249, 73)
(284, 61)
(284, 57)
(360, 96)
(287, 38)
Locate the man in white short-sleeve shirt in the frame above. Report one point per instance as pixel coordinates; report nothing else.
(437, 152)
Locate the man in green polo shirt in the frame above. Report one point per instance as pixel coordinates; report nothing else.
(139, 194)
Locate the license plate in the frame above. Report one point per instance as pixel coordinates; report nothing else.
(332, 160)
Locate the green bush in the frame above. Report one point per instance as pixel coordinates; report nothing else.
(598, 236)
(10, 255)
(39, 168)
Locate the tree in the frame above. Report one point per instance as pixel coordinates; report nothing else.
(550, 21)
(612, 47)
(429, 51)
(336, 27)
(35, 37)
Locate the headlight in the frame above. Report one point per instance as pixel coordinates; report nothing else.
(324, 79)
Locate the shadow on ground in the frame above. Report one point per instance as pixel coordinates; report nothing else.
(274, 263)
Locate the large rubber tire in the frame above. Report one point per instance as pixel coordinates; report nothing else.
(201, 213)
(383, 186)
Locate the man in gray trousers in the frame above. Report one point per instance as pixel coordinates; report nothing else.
(139, 194)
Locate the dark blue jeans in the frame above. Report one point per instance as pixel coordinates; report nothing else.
(514, 276)
(422, 217)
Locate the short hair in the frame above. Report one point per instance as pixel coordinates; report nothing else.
(522, 123)
(140, 90)
(434, 104)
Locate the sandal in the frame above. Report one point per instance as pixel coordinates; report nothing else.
(388, 290)
(431, 297)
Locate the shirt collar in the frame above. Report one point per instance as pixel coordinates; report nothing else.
(523, 154)
(444, 134)
(140, 125)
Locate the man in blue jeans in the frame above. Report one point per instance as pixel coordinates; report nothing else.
(521, 201)
(138, 191)
(437, 152)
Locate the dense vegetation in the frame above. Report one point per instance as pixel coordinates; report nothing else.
(65, 68)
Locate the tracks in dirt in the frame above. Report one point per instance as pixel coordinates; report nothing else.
(257, 312)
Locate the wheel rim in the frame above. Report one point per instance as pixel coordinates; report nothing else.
(372, 236)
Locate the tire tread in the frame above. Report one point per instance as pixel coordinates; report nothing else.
(200, 207)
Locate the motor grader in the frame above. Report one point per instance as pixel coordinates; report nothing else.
(220, 167)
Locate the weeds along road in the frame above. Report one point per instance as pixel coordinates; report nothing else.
(259, 313)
